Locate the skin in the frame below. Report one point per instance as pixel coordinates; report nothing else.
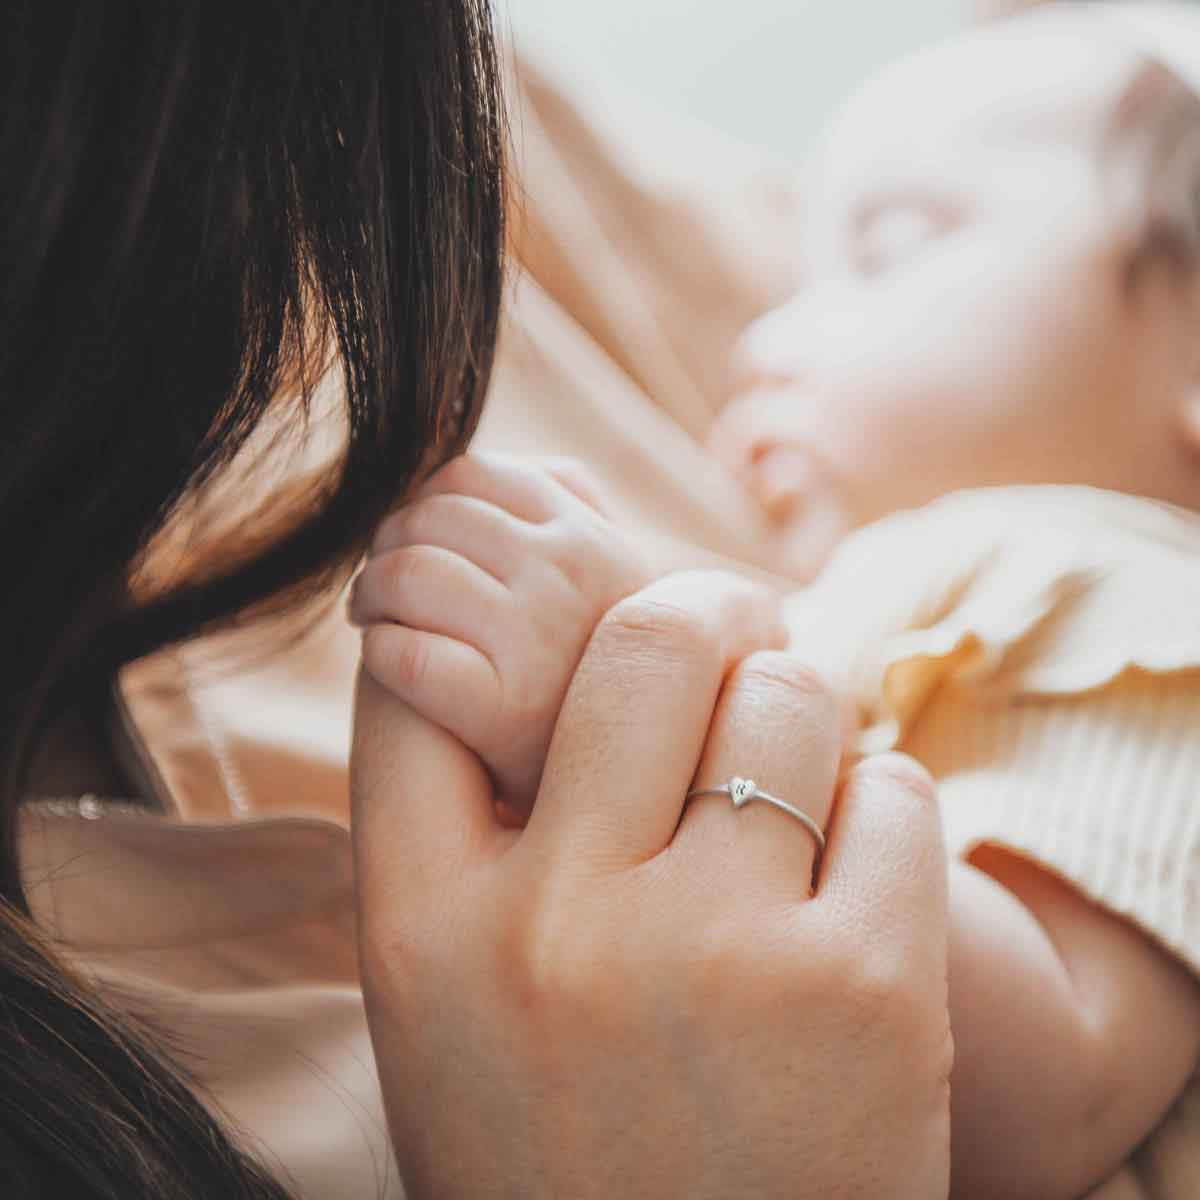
(967, 302)
(1073, 1032)
(572, 1008)
(970, 307)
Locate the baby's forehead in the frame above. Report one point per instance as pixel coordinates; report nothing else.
(1053, 78)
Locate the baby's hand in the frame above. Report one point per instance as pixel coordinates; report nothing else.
(479, 597)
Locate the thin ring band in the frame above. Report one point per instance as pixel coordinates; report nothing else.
(743, 791)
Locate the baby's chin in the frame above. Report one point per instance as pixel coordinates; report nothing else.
(804, 514)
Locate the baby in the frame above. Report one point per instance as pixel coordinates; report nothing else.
(1001, 296)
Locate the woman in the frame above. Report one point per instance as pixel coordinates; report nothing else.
(202, 215)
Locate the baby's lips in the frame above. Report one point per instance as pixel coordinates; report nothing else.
(780, 478)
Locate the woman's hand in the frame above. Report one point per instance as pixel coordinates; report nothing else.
(629, 999)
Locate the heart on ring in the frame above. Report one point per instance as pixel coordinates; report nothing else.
(742, 790)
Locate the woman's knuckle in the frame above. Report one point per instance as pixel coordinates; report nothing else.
(670, 628)
(789, 682)
(558, 967)
(884, 991)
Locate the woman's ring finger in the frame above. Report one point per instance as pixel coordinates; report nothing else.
(765, 785)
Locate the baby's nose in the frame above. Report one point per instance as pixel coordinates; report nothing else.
(771, 352)
(752, 370)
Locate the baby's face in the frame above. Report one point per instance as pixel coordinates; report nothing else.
(966, 317)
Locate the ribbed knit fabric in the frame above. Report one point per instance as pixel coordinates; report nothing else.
(1101, 788)
(1038, 649)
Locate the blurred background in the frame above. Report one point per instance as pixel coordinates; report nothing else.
(765, 71)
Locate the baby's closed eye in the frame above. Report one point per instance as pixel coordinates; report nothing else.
(890, 231)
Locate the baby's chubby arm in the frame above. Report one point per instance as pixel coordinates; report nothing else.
(1073, 1029)
(478, 599)
(1073, 1033)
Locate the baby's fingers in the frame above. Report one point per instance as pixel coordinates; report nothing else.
(433, 590)
(513, 484)
(465, 525)
(580, 482)
(436, 676)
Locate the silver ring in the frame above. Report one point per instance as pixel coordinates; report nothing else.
(742, 791)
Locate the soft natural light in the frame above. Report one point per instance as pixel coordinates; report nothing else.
(765, 71)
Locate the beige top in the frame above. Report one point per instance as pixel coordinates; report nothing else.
(1002, 660)
(1038, 649)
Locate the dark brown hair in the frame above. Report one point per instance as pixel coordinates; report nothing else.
(204, 209)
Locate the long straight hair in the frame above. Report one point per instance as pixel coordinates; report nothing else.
(205, 209)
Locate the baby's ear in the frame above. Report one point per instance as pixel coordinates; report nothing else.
(1179, 323)
(1188, 410)
(1189, 416)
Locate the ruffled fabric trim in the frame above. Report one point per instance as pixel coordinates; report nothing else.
(1038, 649)
(1012, 592)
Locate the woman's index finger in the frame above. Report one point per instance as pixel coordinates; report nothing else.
(637, 713)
